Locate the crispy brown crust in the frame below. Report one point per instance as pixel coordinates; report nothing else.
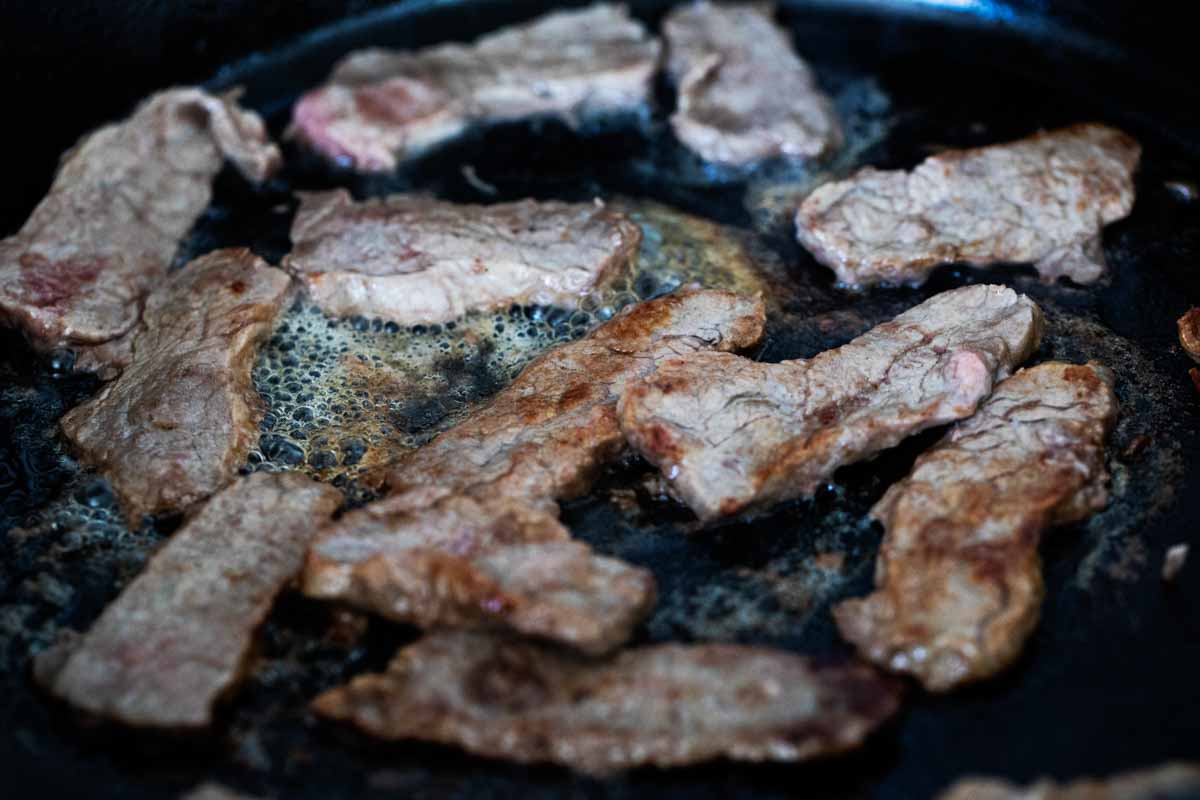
(438, 560)
(180, 420)
(469, 537)
(958, 581)
(544, 436)
(666, 705)
(732, 434)
(1189, 332)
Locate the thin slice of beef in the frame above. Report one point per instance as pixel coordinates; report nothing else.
(180, 420)
(731, 434)
(1043, 200)
(382, 106)
(416, 260)
(958, 580)
(176, 639)
(744, 94)
(469, 536)
(1189, 333)
(451, 561)
(666, 705)
(543, 437)
(1176, 781)
(124, 196)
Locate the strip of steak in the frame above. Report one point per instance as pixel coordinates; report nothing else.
(177, 638)
(124, 196)
(958, 580)
(731, 434)
(381, 107)
(1167, 782)
(180, 420)
(453, 562)
(666, 705)
(469, 535)
(542, 438)
(1042, 199)
(744, 94)
(416, 260)
(1189, 333)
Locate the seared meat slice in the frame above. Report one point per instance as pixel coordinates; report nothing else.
(732, 434)
(959, 581)
(469, 538)
(1042, 199)
(666, 705)
(382, 106)
(75, 274)
(417, 260)
(430, 558)
(177, 638)
(181, 419)
(1189, 332)
(542, 438)
(1170, 781)
(744, 94)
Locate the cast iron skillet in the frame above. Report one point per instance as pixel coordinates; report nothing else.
(1108, 682)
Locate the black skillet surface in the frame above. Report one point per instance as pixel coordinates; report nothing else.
(1108, 682)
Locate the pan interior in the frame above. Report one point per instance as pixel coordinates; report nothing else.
(1106, 682)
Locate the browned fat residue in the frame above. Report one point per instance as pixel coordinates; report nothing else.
(659, 440)
(238, 287)
(642, 321)
(574, 396)
(48, 283)
(1086, 377)
(827, 414)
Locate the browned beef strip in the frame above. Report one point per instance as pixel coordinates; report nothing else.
(180, 420)
(76, 273)
(1042, 199)
(417, 260)
(744, 94)
(382, 106)
(959, 581)
(1167, 782)
(177, 637)
(543, 437)
(666, 705)
(732, 434)
(469, 537)
(451, 561)
(1189, 332)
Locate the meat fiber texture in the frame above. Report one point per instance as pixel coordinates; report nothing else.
(381, 107)
(731, 434)
(469, 535)
(77, 272)
(414, 260)
(958, 580)
(1042, 200)
(744, 94)
(176, 639)
(666, 705)
(180, 420)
